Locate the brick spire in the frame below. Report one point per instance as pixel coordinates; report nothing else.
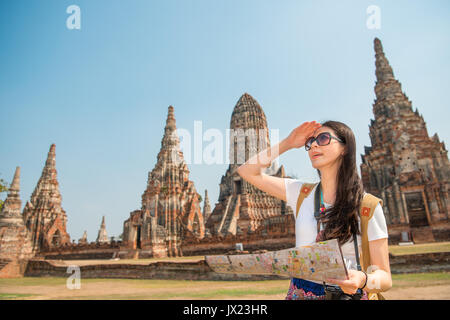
(83, 239)
(170, 204)
(403, 158)
(10, 213)
(43, 214)
(170, 144)
(102, 234)
(389, 96)
(383, 69)
(48, 186)
(15, 241)
(249, 135)
(247, 115)
(206, 207)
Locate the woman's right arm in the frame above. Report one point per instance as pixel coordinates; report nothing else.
(251, 170)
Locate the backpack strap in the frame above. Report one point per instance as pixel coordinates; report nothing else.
(305, 190)
(368, 205)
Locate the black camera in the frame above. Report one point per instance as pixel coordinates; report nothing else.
(336, 293)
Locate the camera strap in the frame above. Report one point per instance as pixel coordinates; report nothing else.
(317, 212)
(355, 242)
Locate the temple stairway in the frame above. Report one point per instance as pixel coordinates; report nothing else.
(228, 216)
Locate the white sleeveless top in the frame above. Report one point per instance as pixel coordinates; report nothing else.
(306, 224)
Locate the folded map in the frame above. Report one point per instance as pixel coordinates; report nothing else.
(317, 261)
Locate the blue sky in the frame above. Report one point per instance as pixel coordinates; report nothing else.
(101, 93)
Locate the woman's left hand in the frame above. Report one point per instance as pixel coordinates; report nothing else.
(355, 280)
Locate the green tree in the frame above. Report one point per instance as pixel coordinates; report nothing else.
(3, 188)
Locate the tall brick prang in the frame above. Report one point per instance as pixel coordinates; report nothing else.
(404, 166)
(43, 215)
(242, 208)
(102, 234)
(15, 240)
(206, 207)
(170, 204)
(83, 239)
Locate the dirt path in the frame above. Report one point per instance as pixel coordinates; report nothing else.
(154, 289)
(419, 293)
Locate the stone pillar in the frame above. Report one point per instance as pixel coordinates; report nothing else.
(444, 197)
(386, 211)
(392, 209)
(398, 202)
(405, 208)
(432, 203)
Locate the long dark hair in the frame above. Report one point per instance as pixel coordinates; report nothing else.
(341, 220)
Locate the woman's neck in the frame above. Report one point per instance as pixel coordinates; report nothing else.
(328, 184)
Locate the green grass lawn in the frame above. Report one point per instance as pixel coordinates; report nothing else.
(420, 248)
(14, 296)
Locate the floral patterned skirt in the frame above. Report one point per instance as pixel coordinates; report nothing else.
(300, 289)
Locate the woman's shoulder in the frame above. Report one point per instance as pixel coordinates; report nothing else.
(294, 182)
(370, 194)
(370, 199)
(293, 186)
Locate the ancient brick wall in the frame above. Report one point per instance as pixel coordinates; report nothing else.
(195, 270)
(91, 250)
(416, 263)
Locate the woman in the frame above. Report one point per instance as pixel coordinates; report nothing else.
(332, 150)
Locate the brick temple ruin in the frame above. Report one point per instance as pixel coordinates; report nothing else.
(170, 204)
(15, 241)
(243, 208)
(404, 166)
(43, 215)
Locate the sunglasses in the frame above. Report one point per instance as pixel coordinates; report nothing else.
(322, 139)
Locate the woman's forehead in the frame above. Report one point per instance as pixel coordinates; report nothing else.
(323, 129)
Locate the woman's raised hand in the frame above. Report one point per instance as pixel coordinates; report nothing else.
(297, 138)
